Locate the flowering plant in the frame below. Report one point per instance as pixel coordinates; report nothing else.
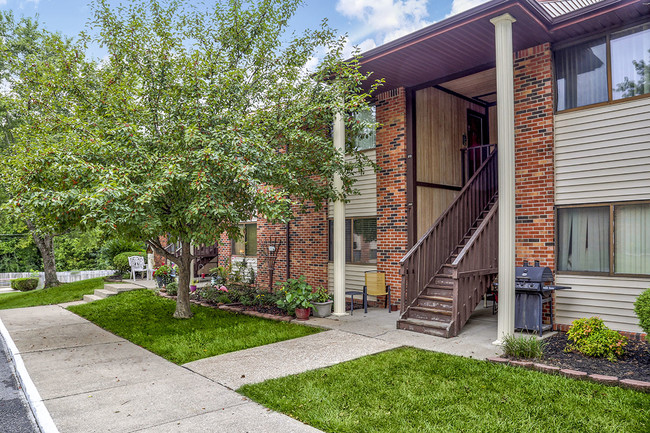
(163, 270)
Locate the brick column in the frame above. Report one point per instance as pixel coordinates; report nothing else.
(535, 217)
(391, 187)
(534, 156)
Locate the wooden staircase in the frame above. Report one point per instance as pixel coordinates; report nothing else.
(446, 274)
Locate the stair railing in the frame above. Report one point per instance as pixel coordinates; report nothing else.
(475, 269)
(427, 256)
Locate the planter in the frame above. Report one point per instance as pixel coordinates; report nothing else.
(161, 282)
(322, 309)
(192, 288)
(302, 313)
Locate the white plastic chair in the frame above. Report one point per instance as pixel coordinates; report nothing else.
(137, 265)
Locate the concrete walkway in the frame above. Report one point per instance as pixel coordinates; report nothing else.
(93, 381)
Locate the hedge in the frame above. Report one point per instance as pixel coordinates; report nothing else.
(24, 284)
(121, 261)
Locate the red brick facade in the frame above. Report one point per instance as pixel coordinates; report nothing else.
(308, 249)
(534, 173)
(534, 170)
(391, 187)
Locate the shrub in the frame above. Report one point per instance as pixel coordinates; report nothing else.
(121, 261)
(295, 293)
(113, 247)
(591, 337)
(523, 347)
(24, 284)
(172, 288)
(642, 311)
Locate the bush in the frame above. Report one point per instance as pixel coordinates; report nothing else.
(113, 247)
(523, 347)
(642, 311)
(121, 261)
(592, 338)
(24, 284)
(172, 288)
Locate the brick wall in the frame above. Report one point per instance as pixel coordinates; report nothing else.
(534, 171)
(391, 187)
(534, 174)
(308, 250)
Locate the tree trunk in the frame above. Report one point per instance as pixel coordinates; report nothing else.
(45, 245)
(183, 298)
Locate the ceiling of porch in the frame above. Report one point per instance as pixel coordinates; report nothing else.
(463, 45)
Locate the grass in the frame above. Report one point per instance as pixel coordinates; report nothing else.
(523, 347)
(410, 390)
(146, 319)
(66, 292)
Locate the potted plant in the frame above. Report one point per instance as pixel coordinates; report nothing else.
(322, 302)
(296, 296)
(162, 275)
(193, 285)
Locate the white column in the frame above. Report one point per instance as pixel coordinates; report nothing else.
(339, 225)
(192, 276)
(506, 163)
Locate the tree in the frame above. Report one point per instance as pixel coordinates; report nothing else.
(201, 118)
(24, 48)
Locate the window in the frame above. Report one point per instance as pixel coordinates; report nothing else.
(581, 71)
(246, 245)
(360, 240)
(367, 139)
(590, 240)
(631, 62)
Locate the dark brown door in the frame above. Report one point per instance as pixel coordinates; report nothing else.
(477, 134)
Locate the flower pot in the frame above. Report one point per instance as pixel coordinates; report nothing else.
(192, 288)
(322, 309)
(161, 282)
(302, 313)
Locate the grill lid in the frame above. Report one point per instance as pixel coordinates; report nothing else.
(534, 274)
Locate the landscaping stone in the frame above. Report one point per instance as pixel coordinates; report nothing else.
(601, 378)
(574, 374)
(525, 364)
(546, 368)
(639, 385)
(498, 360)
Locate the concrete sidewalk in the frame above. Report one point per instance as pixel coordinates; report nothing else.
(93, 381)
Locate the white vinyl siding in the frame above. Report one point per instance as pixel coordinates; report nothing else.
(602, 154)
(354, 276)
(364, 203)
(611, 299)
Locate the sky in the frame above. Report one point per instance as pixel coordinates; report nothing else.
(368, 23)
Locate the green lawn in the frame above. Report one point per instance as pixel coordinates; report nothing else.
(55, 295)
(146, 320)
(411, 390)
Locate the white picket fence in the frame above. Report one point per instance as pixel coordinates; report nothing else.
(64, 277)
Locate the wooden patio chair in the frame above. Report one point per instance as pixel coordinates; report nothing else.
(375, 285)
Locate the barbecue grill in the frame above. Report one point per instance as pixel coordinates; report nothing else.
(532, 291)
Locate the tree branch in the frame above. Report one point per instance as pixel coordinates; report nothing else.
(157, 247)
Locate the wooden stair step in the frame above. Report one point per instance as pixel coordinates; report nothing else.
(431, 310)
(436, 298)
(425, 327)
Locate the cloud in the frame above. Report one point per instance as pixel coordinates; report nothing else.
(383, 20)
(458, 6)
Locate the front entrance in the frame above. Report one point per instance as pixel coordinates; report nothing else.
(477, 136)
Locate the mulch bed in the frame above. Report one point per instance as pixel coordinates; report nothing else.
(634, 365)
